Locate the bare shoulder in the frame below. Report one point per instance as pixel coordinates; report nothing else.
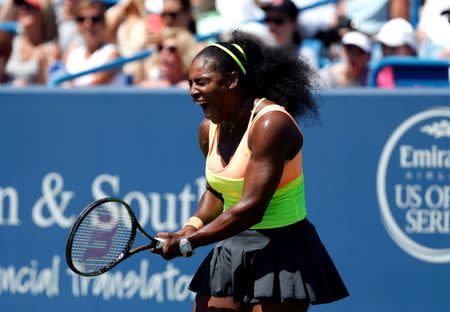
(274, 123)
(277, 128)
(273, 120)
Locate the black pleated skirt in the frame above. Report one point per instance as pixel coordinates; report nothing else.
(273, 265)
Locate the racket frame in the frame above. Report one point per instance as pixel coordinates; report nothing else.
(155, 243)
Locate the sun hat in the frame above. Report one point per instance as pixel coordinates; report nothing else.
(357, 39)
(397, 32)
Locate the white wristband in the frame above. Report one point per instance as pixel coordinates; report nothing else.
(195, 222)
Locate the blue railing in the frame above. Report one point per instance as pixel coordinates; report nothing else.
(117, 63)
(9, 26)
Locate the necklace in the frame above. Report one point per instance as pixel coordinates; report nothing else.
(230, 129)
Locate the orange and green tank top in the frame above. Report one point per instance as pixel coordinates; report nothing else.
(287, 205)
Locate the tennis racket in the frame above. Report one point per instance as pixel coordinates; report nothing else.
(102, 237)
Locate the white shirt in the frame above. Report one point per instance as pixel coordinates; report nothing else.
(78, 61)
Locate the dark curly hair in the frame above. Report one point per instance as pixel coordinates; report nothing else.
(273, 72)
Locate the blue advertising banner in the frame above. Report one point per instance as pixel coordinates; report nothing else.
(377, 185)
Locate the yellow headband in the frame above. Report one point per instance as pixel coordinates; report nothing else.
(230, 53)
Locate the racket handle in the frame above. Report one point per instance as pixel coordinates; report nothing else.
(160, 243)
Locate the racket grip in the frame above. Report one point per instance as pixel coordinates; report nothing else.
(160, 243)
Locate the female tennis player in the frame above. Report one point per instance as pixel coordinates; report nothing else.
(268, 256)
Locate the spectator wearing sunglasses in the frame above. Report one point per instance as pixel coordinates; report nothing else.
(169, 66)
(96, 50)
(281, 18)
(127, 26)
(36, 47)
(172, 13)
(178, 13)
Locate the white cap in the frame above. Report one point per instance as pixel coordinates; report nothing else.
(357, 39)
(397, 32)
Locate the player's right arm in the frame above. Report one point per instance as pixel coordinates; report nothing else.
(211, 202)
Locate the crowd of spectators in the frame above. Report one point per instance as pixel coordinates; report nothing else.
(41, 40)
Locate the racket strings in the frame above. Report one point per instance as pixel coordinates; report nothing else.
(102, 237)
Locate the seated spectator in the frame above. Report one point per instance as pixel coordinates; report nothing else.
(360, 15)
(397, 38)
(96, 51)
(353, 69)
(169, 66)
(6, 39)
(127, 26)
(281, 18)
(36, 47)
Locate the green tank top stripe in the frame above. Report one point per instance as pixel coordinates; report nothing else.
(287, 205)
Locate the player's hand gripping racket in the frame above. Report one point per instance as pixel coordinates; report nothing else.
(102, 237)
